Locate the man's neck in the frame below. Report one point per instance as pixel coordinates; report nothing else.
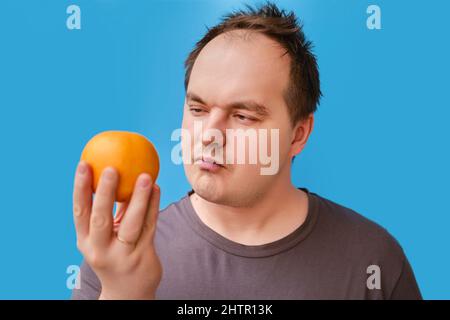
(277, 215)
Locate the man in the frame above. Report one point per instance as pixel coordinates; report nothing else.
(238, 234)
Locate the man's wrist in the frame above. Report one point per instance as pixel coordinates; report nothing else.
(106, 295)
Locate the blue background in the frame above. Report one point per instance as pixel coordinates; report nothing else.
(379, 146)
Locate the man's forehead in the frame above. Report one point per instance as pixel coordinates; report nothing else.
(241, 68)
(244, 45)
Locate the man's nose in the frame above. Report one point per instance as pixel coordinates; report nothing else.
(214, 125)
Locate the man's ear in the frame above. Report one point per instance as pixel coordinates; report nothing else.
(300, 134)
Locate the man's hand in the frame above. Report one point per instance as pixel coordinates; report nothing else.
(120, 251)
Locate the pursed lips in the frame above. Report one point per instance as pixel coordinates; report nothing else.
(208, 160)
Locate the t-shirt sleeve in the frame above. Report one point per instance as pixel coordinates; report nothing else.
(406, 287)
(90, 286)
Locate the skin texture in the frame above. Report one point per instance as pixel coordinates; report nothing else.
(236, 201)
(129, 270)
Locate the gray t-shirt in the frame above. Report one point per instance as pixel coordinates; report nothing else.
(335, 254)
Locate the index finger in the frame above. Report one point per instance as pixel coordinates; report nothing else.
(82, 199)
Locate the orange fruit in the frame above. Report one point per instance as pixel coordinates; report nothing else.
(129, 153)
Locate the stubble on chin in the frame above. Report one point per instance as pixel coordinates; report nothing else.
(205, 187)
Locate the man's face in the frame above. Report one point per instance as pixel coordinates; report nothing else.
(237, 82)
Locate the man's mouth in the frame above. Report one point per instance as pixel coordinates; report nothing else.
(209, 164)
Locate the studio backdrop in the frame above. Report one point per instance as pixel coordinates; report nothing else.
(72, 69)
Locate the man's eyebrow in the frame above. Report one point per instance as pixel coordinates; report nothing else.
(250, 106)
(190, 96)
(244, 105)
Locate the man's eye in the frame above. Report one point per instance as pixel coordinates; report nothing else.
(196, 110)
(242, 117)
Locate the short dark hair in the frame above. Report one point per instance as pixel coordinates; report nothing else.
(303, 93)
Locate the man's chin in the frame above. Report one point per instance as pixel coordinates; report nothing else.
(208, 191)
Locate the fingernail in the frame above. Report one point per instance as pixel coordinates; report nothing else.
(109, 173)
(77, 210)
(145, 181)
(81, 168)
